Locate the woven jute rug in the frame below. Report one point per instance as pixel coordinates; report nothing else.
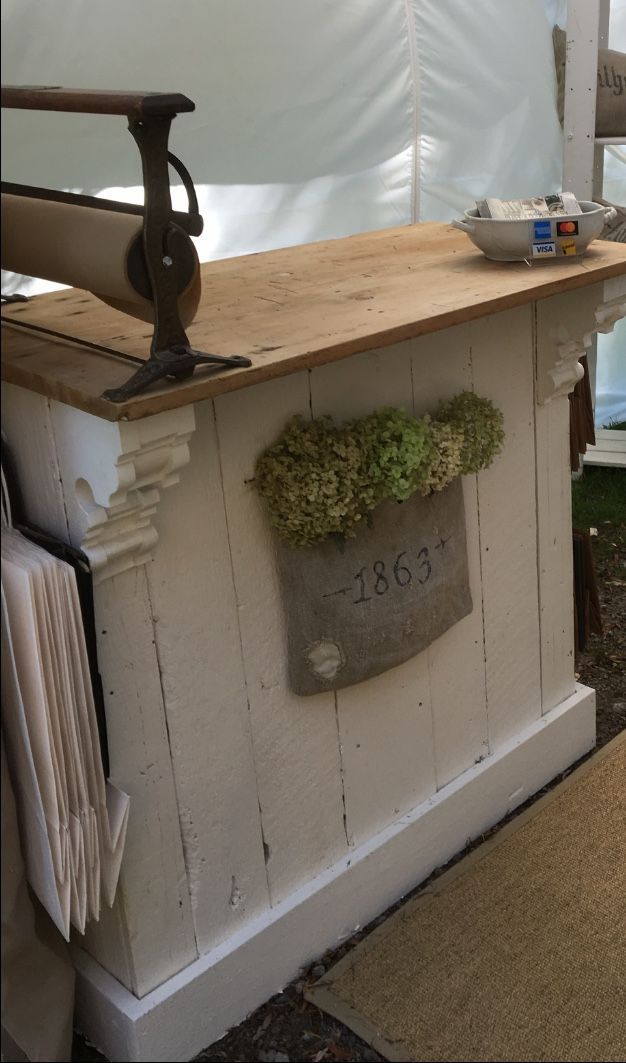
(516, 953)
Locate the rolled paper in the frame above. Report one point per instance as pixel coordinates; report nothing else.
(98, 250)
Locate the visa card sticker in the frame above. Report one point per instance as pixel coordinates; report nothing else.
(567, 228)
(544, 250)
(568, 247)
(542, 230)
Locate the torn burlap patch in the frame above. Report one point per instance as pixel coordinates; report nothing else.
(384, 597)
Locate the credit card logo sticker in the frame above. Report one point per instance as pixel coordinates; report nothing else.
(567, 228)
(542, 230)
(544, 250)
(568, 247)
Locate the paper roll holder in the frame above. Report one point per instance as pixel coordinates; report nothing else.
(150, 116)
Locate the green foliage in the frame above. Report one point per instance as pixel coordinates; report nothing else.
(445, 460)
(599, 497)
(397, 449)
(599, 501)
(482, 427)
(315, 483)
(320, 480)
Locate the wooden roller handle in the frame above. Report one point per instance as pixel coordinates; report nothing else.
(95, 101)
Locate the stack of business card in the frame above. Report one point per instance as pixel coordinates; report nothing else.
(559, 205)
(72, 821)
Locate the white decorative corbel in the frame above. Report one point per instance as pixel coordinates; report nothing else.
(608, 314)
(566, 325)
(562, 376)
(113, 475)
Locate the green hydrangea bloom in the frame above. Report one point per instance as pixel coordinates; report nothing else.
(482, 427)
(397, 449)
(445, 460)
(321, 480)
(315, 482)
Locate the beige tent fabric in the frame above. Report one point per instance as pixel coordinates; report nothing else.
(37, 974)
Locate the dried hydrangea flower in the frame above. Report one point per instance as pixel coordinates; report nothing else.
(445, 461)
(482, 427)
(321, 481)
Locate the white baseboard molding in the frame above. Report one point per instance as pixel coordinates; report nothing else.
(610, 448)
(197, 1006)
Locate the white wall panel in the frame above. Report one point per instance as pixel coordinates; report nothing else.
(313, 119)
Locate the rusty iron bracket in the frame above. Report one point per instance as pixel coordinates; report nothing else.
(16, 297)
(171, 355)
(149, 117)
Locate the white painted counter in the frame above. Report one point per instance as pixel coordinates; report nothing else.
(265, 827)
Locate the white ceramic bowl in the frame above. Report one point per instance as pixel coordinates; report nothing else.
(536, 239)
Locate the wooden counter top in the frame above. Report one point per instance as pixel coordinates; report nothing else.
(287, 310)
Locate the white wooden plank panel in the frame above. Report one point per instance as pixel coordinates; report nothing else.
(554, 550)
(615, 458)
(610, 448)
(108, 941)
(502, 361)
(27, 426)
(175, 1021)
(199, 650)
(295, 743)
(579, 119)
(456, 661)
(153, 883)
(385, 723)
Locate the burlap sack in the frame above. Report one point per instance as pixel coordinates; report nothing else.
(353, 613)
(615, 229)
(611, 91)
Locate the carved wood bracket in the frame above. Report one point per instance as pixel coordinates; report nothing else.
(566, 326)
(119, 471)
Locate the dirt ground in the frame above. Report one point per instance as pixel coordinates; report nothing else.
(603, 664)
(287, 1028)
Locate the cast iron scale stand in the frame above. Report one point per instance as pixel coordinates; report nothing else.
(149, 116)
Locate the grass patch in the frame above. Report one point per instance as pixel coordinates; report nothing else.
(599, 496)
(619, 426)
(599, 501)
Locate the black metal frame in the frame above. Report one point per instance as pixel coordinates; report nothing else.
(149, 120)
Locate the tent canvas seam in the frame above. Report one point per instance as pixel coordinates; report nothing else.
(414, 67)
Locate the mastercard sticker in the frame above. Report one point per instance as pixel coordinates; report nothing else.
(567, 228)
(568, 247)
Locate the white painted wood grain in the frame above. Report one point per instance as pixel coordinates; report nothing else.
(571, 315)
(153, 888)
(554, 550)
(154, 893)
(198, 1006)
(27, 426)
(199, 650)
(295, 744)
(502, 362)
(385, 723)
(610, 448)
(579, 119)
(442, 368)
(153, 884)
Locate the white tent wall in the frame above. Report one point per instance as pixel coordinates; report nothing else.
(487, 120)
(610, 381)
(313, 119)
